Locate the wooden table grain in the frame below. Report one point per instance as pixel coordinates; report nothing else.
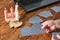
(14, 34)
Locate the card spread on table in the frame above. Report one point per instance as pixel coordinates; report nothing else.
(45, 14)
(35, 19)
(25, 31)
(35, 29)
(54, 34)
(56, 8)
(55, 37)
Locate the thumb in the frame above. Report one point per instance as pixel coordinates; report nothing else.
(52, 28)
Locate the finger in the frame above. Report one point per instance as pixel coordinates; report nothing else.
(44, 23)
(44, 26)
(47, 30)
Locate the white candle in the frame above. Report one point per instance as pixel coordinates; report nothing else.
(16, 7)
(12, 12)
(6, 14)
(16, 12)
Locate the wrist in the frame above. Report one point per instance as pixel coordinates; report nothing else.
(57, 23)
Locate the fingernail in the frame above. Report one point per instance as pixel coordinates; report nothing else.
(41, 27)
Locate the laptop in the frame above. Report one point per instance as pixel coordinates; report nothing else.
(29, 5)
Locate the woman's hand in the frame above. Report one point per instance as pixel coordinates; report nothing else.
(51, 25)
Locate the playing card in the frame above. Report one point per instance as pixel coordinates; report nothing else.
(35, 19)
(54, 34)
(56, 8)
(26, 31)
(34, 30)
(45, 14)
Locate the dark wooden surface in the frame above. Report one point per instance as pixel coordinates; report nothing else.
(14, 34)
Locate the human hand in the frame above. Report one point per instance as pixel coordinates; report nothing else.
(49, 26)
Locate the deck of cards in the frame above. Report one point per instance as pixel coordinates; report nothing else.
(13, 17)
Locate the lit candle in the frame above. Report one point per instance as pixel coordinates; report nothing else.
(16, 12)
(12, 12)
(6, 14)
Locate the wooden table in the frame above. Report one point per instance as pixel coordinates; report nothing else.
(14, 34)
